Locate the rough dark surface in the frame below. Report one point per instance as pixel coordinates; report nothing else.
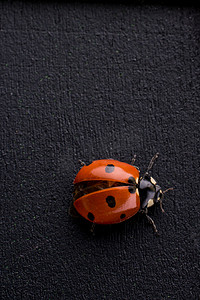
(89, 81)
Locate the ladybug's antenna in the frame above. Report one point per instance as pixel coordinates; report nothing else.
(151, 163)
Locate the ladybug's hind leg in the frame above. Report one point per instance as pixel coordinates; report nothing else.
(73, 212)
(133, 160)
(92, 229)
(82, 163)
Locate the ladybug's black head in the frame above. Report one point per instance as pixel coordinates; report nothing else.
(150, 192)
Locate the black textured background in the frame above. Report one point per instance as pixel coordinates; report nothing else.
(89, 81)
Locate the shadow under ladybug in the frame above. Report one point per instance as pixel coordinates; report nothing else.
(109, 192)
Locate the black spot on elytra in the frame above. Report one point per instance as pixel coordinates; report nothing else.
(131, 180)
(90, 216)
(111, 201)
(109, 168)
(131, 189)
(122, 216)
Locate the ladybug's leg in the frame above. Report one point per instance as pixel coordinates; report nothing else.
(152, 223)
(133, 160)
(82, 163)
(93, 228)
(145, 211)
(161, 206)
(73, 212)
(151, 163)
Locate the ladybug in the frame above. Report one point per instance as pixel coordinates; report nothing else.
(109, 191)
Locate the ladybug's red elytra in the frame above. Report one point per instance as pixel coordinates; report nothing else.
(109, 191)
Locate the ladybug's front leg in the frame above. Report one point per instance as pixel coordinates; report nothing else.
(161, 206)
(151, 164)
(145, 211)
(152, 223)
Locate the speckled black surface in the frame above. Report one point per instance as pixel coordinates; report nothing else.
(89, 81)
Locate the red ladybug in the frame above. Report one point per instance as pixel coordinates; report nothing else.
(109, 191)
